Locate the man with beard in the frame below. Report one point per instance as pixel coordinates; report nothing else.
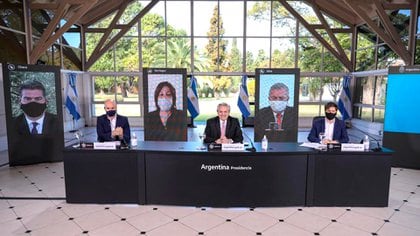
(36, 129)
(277, 121)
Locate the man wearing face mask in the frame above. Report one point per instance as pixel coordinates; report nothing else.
(36, 129)
(333, 128)
(35, 120)
(277, 121)
(112, 126)
(166, 123)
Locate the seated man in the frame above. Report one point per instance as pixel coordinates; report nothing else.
(334, 129)
(223, 128)
(112, 127)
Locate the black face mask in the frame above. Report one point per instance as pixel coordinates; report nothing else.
(33, 109)
(111, 113)
(330, 116)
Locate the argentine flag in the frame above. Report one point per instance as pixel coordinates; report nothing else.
(72, 97)
(193, 107)
(344, 102)
(243, 99)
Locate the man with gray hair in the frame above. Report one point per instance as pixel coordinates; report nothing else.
(223, 128)
(277, 121)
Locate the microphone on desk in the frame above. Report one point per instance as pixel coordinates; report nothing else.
(378, 147)
(124, 144)
(252, 148)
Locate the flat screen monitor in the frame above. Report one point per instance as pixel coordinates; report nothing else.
(276, 104)
(165, 102)
(34, 114)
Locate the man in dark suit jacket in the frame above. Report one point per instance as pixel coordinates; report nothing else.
(112, 127)
(37, 134)
(278, 121)
(333, 128)
(50, 125)
(214, 128)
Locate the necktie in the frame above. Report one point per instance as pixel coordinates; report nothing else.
(223, 131)
(278, 117)
(34, 130)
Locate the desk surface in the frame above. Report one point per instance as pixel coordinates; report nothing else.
(273, 147)
(177, 173)
(193, 147)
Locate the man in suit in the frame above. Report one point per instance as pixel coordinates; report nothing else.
(278, 121)
(223, 128)
(35, 119)
(334, 129)
(112, 127)
(35, 130)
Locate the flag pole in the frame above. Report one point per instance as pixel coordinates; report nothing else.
(73, 126)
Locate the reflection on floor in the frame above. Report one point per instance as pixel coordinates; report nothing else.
(32, 202)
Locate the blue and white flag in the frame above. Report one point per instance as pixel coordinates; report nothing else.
(243, 99)
(193, 107)
(72, 97)
(344, 102)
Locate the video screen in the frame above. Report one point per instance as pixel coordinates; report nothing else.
(33, 113)
(165, 104)
(402, 97)
(276, 105)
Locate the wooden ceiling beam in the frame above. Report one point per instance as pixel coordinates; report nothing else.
(45, 6)
(386, 22)
(335, 10)
(327, 28)
(52, 26)
(49, 36)
(111, 27)
(68, 52)
(401, 51)
(12, 41)
(106, 47)
(342, 58)
(398, 6)
(99, 12)
(342, 30)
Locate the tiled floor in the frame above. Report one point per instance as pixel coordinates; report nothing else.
(33, 203)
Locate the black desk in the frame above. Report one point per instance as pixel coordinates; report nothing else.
(176, 173)
(349, 179)
(103, 176)
(225, 179)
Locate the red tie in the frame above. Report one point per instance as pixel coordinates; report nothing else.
(278, 116)
(223, 131)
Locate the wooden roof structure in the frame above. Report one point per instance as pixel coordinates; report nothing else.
(351, 13)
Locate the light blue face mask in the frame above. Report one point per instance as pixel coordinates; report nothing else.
(278, 106)
(165, 104)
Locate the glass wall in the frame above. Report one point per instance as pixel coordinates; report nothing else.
(217, 47)
(123, 89)
(217, 41)
(370, 98)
